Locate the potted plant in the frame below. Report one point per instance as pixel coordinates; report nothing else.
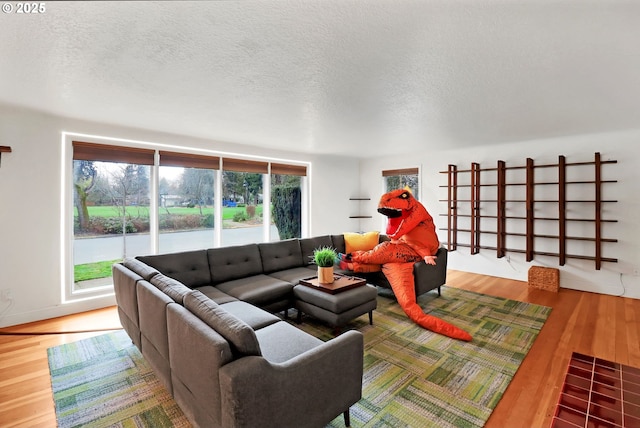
(325, 257)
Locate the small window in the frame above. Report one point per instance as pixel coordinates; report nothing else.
(401, 178)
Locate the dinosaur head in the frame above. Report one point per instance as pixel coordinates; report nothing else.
(403, 212)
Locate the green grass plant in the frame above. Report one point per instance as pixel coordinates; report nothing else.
(324, 256)
(143, 211)
(186, 210)
(112, 211)
(87, 271)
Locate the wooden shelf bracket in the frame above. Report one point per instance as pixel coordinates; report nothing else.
(501, 210)
(452, 208)
(4, 149)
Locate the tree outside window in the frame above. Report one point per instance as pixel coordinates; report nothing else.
(286, 205)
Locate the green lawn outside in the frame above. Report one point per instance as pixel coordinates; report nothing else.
(85, 272)
(89, 271)
(143, 212)
(228, 212)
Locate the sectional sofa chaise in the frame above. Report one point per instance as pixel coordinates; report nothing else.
(205, 322)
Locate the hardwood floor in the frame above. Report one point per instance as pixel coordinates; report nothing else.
(25, 387)
(605, 326)
(589, 323)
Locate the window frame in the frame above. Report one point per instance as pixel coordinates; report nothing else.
(76, 147)
(402, 172)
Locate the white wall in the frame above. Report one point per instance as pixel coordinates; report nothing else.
(613, 278)
(30, 204)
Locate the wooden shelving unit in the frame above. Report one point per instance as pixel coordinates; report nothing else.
(360, 216)
(477, 211)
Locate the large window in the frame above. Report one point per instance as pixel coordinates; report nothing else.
(243, 219)
(111, 195)
(401, 178)
(134, 201)
(286, 199)
(186, 190)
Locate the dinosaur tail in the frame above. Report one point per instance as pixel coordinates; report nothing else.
(400, 276)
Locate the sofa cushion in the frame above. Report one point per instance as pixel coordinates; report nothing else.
(229, 263)
(281, 341)
(190, 267)
(294, 275)
(338, 243)
(259, 290)
(142, 269)
(169, 286)
(280, 255)
(360, 241)
(255, 317)
(241, 337)
(216, 295)
(308, 245)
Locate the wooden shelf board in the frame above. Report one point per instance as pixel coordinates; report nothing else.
(523, 235)
(523, 201)
(549, 165)
(539, 253)
(535, 218)
(541, 183)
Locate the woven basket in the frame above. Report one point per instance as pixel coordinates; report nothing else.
(544, 278)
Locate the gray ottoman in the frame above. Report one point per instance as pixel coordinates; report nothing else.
(336, 309)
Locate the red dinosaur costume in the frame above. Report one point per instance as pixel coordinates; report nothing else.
(413, 238)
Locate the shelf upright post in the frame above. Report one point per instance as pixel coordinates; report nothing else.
(530, 211)
(475, 208)
(501, 210)
(598, 204)
(562, 210)
(452, 201)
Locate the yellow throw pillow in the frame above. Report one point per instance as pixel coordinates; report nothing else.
(360, 241)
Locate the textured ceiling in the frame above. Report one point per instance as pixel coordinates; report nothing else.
(362, 78)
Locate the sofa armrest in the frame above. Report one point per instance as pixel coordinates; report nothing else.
(429, 277)
(124, 285)
(310, 389)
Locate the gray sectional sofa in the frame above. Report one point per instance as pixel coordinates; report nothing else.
(205, 322)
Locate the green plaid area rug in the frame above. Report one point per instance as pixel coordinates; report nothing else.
(104, 381)
(412, 377)
(416, 378)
